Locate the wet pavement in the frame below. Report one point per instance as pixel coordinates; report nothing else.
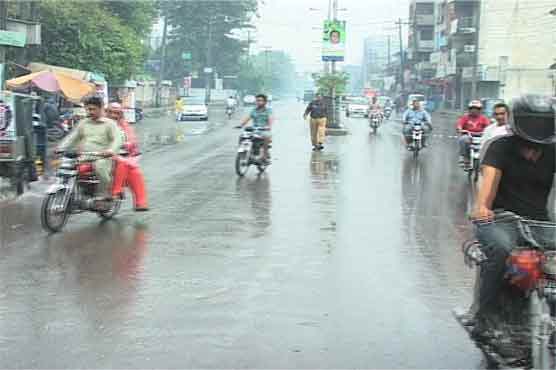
(345, 258)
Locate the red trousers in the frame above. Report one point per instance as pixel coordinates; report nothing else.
(127, 173)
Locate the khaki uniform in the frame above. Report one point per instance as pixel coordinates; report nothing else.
(97, 136)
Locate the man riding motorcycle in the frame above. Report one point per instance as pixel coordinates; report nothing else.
(473, 122)
(518, 172)
(415, 114)
(262, 119)
(127, 170)
(96, 133)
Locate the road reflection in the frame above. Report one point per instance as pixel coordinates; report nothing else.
(102, 267)
(256, 192)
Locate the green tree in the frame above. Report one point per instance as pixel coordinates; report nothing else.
(327, 82)
(191, 23)
(277, 70)
(105, 39)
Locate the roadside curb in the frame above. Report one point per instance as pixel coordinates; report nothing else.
(336, 131)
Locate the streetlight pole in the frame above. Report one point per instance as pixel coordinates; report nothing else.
(162, 63)
(335, 117)
(208, 68)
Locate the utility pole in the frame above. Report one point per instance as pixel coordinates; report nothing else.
(208, 68)
(3, 16)
(402, 58)
(162, 63)
(335, 117)
(475, 80)
(389, 50)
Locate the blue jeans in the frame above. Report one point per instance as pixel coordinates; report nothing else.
(464, 141)
(498, 239)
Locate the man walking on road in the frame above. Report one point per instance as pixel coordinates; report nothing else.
(319, 113)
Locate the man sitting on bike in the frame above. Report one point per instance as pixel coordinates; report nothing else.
(473, 122)
(518, 172)
(262, 119)
(96, 133)
(413, 115)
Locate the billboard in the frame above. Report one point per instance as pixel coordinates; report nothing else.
(334, 41)
(7, 116)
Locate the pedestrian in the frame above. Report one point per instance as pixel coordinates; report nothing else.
(179, 108)
(318, 112)
(51, 113)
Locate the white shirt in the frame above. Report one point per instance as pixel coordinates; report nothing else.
(491, 133)
(231, 102)
(495, 130)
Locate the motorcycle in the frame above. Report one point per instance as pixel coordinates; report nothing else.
(387, 113)
(250, 151)
(417, 137)
(375, 119)
(229, 112)
(75, 192)
(525, 325)
(473, 167)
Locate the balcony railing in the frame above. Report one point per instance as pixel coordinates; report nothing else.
(424, 19)
(464, 25)
(425, 45)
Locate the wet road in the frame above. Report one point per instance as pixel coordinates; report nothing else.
(346, 258)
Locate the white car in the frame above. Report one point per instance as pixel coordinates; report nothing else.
(194, 108)
(249, 100)
(358, 107)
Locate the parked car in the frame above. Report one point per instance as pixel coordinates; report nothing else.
(194, 108)
(358, 107)
(249, 100)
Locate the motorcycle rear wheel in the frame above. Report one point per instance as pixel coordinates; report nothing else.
(53, 220)
(242, 164)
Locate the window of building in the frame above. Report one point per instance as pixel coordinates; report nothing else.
(427, 34)
(424, 9)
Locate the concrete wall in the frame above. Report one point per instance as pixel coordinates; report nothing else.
(518, 37)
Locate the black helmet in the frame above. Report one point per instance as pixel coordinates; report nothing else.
(533, 118)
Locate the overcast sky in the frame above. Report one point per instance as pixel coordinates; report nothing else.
(287, 25)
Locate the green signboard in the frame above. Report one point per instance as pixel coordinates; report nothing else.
(10, 38)
(186, 56)
(334, 41)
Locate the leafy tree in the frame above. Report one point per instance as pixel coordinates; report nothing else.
(137, 15)
(81, 35)
(327, 82)
(277, 70)
(190, 34)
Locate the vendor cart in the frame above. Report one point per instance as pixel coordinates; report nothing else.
(17, 139)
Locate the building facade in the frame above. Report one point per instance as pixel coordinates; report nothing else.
(375, 59)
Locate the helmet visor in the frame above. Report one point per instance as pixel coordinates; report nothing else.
(536, 127)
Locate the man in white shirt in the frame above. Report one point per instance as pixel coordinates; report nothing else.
(499, 128)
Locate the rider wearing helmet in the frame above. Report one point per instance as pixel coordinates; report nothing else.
(474, 123)
(518, 172)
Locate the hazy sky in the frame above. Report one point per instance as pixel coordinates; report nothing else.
(288, 25)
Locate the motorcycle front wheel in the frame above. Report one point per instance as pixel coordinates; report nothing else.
(242, 163)
(54, 212)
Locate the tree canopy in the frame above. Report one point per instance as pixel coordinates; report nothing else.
(99, 36)
(193, 23)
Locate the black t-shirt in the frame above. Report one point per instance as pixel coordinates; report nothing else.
(317, 109)
(525, 185)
